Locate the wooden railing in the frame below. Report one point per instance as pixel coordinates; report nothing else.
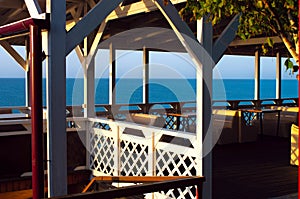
(112, 111)
(153, 184)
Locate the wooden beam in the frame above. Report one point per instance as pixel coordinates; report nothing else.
(11, 4)
(10, 14)
(33, 8)
(79, 54)
(227, 36)
(139, 7)
(254, 41)
(14, 54)
(123, 11)
(88, 23)
(141, 189)
(95, 44)
(172, 16)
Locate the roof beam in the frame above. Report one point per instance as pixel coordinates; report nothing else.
(33, 8)
(123, 11)
(171, 15)
(254, 41)
(88, 23)
(14, 54)
(11, 4)
(138, 7)
(95, 44)
(227, 36)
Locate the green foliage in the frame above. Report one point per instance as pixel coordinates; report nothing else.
(289, 66)
(259, 17)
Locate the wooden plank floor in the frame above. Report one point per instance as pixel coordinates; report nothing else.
(256, 170)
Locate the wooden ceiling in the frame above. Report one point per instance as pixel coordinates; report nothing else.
(128, 20)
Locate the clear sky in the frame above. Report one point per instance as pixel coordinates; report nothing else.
(163, 65)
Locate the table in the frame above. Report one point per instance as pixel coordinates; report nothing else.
(247, 115)
(181, 121)
(13, 116)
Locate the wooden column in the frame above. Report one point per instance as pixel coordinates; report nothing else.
(278, 75)
(112, 74)
(257, 76)
(145, 75)
(89, 90)
(27, 76)
(36, 113)
(203, 99)
(56, 100)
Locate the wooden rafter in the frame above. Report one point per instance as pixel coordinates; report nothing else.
(11, 4)
(15, 55)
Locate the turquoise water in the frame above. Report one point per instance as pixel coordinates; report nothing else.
(12, 92)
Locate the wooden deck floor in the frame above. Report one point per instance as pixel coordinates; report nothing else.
(255, 170)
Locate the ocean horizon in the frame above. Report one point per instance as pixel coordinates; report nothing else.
(12, 90)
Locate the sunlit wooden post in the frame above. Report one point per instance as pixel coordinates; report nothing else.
(257, 76)
(278, 75)
(145, 76)
(203, 98)
(112, 74)
(89, 89)
(56, 99)
(27, 76)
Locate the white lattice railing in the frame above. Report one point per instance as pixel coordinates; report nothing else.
(128, 149)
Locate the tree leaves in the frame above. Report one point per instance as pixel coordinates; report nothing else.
(289, 65)
(265, 18)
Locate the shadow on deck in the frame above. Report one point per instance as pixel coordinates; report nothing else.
(257, 170)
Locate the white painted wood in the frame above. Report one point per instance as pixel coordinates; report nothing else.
(56, 100)
(112, 74)
(278, 76)
(140, 155)
(139, 7)
(89, 22)
(95, 44)
(79, 54)
(257, 76)
(180, 28)
(203, 101)
(226, 37)
(89, 90)
(145, 75)
(14, 54)
(33, 8)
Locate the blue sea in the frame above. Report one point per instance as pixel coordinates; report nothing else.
(12, 90)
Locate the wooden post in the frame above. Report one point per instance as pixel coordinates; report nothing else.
(145, 77)
(36, 112)
(204, 110)
(27, 76)
(278, 75)
(89, 90)
(56, 99)
(112, 75)
(257, 76)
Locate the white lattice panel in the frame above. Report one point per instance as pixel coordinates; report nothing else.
(134, 159)
(131, 149)
(104, 151)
